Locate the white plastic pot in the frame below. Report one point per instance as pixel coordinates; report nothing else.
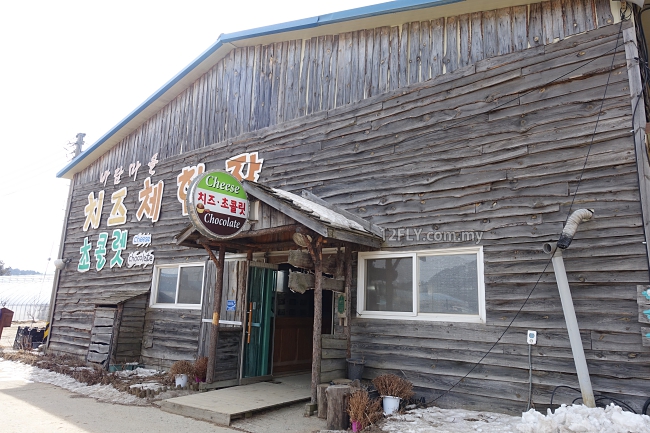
(391, 404)
(181, 380)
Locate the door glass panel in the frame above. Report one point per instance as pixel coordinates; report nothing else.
(167, 285)
(449, 284)
(259, 322)
(189, 288)
(389, 284)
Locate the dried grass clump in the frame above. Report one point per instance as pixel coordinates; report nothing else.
(182, 367)
(393, 385)
(201, 368)
(363, 409)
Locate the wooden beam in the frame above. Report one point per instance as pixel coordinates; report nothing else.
(216, 308)
(344, 235)
(348, 295)
(316, 252)
(372, 228)
(300, 282)
(302, 259)
(285, 208)
(266, 232)
(639, 123)
(116, 334)
(186, 233)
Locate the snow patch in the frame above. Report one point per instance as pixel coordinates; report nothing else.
(580, 418)
(565, 419)
(325, 214)
(138, 372)
(16, 371)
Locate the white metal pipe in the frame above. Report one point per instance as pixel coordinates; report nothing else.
(572, 328)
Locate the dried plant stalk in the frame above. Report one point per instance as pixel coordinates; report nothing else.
(364, 410)
(182, 367)
(201, 368)
(393, 385)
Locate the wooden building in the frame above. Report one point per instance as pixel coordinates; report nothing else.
(452, 137)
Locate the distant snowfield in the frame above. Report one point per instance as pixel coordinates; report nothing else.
(572, 419)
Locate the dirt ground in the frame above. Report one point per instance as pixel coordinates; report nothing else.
(40, 407)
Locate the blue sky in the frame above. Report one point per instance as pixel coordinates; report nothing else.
(80, 66)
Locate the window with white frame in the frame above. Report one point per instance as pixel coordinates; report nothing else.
(441, 285)
(178, 286)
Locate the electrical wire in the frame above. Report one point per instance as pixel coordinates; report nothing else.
(568, 213)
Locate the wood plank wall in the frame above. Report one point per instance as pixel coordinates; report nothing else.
(259, 86)
(101, 335)
(508, 171)
(401, 160)
(129, 339)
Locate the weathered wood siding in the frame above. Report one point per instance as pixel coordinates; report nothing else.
(259, 86)
(169, 336)
(494, 146)
(131, 330)
(333, 364)
(101, 335)
(230, 335)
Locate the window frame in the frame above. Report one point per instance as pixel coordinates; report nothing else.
(178, 266)
(415, 314)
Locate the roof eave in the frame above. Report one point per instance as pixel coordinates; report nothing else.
(184, 78)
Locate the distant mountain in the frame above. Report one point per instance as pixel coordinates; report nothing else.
(14, 271)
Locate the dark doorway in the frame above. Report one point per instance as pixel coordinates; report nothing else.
(294, 324)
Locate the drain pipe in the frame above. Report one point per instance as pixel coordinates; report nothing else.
(567, 302)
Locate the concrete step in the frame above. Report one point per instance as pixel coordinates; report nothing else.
(224, 405)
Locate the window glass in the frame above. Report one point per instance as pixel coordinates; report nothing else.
(389, 284)
(189, 287)
(448, 284)
(167, 285)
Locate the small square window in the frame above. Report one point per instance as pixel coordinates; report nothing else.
(178, 286)
(448, 284)
(437, 285)
(389, 284)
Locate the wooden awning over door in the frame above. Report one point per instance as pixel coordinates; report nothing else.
(278, 214)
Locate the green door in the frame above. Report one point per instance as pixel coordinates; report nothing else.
(259, 321)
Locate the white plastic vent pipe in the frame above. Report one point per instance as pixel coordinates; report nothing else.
(567, 302)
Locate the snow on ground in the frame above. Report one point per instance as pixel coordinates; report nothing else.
(571, 419)
(611, 419)
(438, 420)
(16, 371)
(138, 372)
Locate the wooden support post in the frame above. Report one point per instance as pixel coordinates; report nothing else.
(316, 252)
(337, 407)
(348, 295)
(117, 324)
(322, 400)
(216, 309)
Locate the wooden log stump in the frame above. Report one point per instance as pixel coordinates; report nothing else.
(322, 400)
(337, 407)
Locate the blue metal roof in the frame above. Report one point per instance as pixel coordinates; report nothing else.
(306, 23)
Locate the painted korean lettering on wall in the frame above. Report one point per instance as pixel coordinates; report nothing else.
(110, 245)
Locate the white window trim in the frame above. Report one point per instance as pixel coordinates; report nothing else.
(154, 286)
(415, 315)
